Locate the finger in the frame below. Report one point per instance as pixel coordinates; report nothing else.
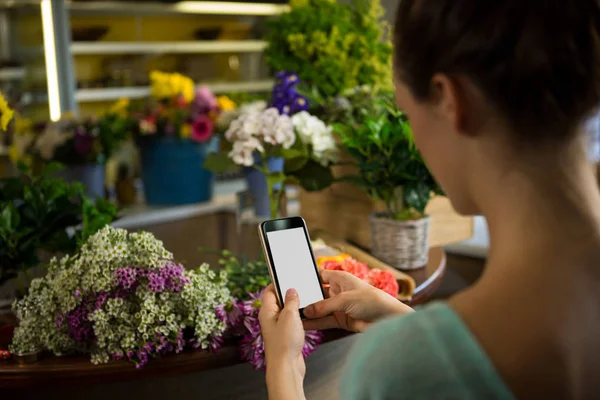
(269, 306)
(292, 301)
(327, 307)
(337, 277)
(321, 324)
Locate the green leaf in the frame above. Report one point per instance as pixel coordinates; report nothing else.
(313, 176)
(275, 177)
(294, 160)
(9, 218)
(52, 168)
(218, 162)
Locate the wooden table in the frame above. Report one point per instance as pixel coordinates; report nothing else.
(66, 370)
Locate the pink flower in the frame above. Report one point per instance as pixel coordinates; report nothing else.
(383, 280)
(332, 265)
(202, 129)
(205, 100)
(356, 268)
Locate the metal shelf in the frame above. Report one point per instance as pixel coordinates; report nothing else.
(154, 8)
(12, 73)
(189, 47)
(109, 94)
(182, 7)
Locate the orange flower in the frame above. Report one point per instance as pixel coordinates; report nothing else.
(339, 258)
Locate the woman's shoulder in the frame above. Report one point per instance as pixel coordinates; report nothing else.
(427, 354)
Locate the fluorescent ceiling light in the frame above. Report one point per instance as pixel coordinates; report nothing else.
(219, 7)
(50, 55)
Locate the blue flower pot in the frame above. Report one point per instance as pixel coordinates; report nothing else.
(90, 175)
(257, 184)
(172, 170)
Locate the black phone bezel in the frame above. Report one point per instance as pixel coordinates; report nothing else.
(282, 224)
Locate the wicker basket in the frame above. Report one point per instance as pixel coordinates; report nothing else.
(401, 244)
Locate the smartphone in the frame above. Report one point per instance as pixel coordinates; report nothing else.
(291, 261)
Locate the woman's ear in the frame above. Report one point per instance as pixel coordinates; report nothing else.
(449, 101)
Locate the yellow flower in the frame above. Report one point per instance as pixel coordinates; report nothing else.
(225, 104)
(23, 126)
(6, 113)
(166, 86)
(186, 131)
(120, 107)
(19, 148)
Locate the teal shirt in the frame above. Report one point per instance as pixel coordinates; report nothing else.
(429, 354)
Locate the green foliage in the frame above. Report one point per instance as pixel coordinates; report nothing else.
(44, 213)
(244, 276)
(219, 162)
(313, 177)
(113, 130)
(332, 46)
(390, 168)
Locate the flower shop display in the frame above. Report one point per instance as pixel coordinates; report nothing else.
(383, 280)
(44, 213)
(122, 296)
(82, 145)
(279, 145)
(246, 281)
(331, 45)
(241, 317)
(175, 132)
(391, 170)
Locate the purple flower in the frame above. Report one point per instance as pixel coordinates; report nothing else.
(204, 101)
(169, 129)
(79, 327)
(312, 339)
(156, 282)
(180, 342)
(285, 96)
(232, 314)
(216, 342)
(83, 142)
(59, 321)
(127, 276)
(251, 347)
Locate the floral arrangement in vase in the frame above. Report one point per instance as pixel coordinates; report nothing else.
(122, 296)
(285, 131)
(176, 108)
(69, 141)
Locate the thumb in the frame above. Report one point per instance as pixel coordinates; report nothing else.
(327, 307)
(292, 301)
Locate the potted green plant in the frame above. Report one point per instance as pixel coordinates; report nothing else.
(42, 213)
(392, 171)
(331, 45)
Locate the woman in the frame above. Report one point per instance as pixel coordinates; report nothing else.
(497, 92)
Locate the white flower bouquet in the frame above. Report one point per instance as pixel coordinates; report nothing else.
(121, 297)
(305, 143)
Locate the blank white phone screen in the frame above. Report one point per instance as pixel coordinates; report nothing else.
(294, 266)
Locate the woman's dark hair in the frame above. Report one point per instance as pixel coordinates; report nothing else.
(536, 61)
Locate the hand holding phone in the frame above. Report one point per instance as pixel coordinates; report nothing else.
(290, 259)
